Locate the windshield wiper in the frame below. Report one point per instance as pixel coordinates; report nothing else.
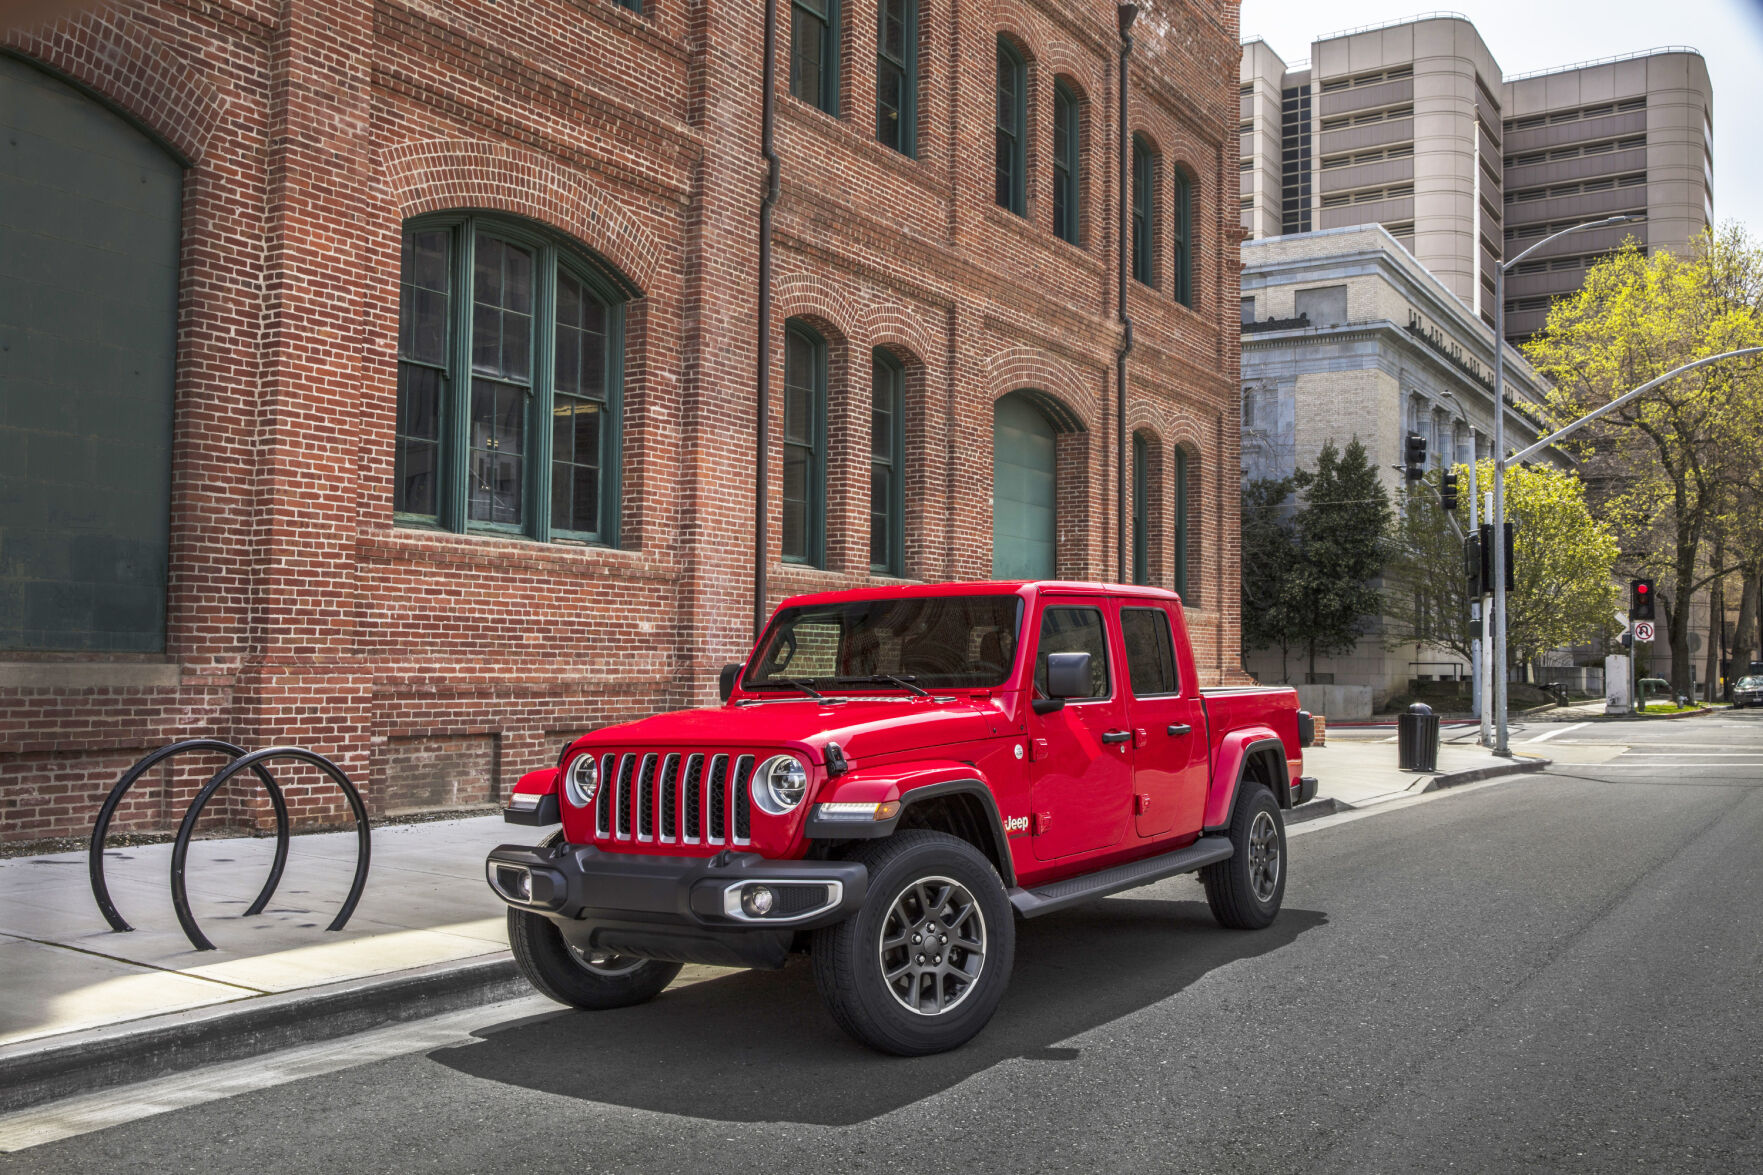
(885, 679)
(798, 683)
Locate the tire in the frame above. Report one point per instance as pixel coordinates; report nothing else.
(916, 877)
(1240, 891)
(594, 980)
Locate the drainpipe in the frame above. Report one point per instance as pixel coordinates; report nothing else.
(762, 424)
(1127, 14)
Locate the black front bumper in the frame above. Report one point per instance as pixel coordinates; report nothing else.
(682, 909)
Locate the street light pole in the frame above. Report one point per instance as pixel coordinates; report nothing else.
(1476, 668)
(1501, 744)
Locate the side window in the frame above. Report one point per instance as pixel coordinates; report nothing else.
(1150, 652)
(1074, 630)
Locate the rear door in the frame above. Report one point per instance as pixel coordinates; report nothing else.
(1081, 755)
(1170, 763)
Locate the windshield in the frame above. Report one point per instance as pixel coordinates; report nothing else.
(951, 642)
(1750, 683)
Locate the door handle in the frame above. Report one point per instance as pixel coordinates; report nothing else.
(1116, 736)
(1180, 728)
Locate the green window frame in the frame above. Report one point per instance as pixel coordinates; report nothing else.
(504, 327)
(1183, 232)
(1141, 569)
(896, 76)
(887, 466)
(1181, 523)
(814, 53)
(1144, 169)
(803, 526)
(635, 6)
(1065, 173)
(1011, 153)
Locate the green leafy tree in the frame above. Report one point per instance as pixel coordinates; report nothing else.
(1563, 567)
(1667, 468)
(1341, 532)
(1270, 568)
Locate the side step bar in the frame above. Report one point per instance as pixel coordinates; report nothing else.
(1032, 903)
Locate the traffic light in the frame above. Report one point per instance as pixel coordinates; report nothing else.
(1482, 574)
(1640, 599)
(1448, 491)
(1414, 465)
(1475, 568)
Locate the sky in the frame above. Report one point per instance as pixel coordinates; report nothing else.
(1526, 35)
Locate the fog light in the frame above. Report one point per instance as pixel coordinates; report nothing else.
(524, 887)
(757, 900)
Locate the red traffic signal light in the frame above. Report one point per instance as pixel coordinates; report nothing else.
(1640, 599)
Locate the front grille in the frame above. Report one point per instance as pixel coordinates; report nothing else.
(675, 797)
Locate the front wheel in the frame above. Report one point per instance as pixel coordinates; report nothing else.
(1245, 892)
(591, 979)
(921, 967)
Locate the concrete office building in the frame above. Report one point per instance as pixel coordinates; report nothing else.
(1412, 126)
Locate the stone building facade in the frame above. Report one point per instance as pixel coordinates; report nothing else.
(1346, 335)
(436, 363)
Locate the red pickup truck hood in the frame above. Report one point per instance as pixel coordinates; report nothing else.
(863, 727)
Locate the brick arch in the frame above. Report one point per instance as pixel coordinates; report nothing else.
(1067, 64)
(892, 326)
(1056, 386)
(439, 175)
(1011, 21)
(150, 81)
(811, 297)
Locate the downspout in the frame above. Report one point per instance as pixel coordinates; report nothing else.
(762, 423)
(1127, 13)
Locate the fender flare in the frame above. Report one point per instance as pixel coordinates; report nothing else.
(1234, 755)
(885, 784)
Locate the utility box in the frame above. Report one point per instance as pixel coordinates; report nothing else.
(1618, 699)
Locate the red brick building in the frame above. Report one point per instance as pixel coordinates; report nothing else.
(443, 372)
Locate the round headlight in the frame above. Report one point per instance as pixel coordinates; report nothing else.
(582, 780)
(783, 781)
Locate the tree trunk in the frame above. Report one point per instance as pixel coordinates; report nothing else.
(1744, 642)
(1678, 616)
(1312, 675)
(1716, 625)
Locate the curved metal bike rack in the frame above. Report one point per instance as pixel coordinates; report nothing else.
(95, 854)
(181, 847)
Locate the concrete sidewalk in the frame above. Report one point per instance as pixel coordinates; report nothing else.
(86, 1006)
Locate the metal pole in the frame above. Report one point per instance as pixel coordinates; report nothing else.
(1126, 14)
(1499, 529)
(762, 421)
(1499, 520)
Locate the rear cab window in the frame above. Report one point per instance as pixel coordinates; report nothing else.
(1150, 651)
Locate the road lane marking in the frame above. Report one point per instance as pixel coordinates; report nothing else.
(1559, 730)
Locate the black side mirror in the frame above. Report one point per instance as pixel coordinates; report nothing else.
(1068, 675)
(727, 682)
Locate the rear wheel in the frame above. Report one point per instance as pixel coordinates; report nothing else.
(1245, 892)
(922, 966)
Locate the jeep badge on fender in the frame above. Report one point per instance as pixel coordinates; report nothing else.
(894, 777)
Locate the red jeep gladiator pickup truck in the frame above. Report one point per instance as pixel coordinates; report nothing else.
(896, 775)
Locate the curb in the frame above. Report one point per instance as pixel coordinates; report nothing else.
(36, 1071)
(1316, 810)
(1523, 766)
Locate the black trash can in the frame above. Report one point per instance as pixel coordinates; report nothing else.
(1417, 739)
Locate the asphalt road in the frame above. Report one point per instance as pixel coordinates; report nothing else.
(1557, 971)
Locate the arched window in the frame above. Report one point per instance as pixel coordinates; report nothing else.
(814, 53)
(510, 373)
(887, 482)
(90, 209)
(1144, 171)
(1065, 170)
(1011, 151)
(804, 490)
(1182, 232)
(1141, 562)
(1181, 523)
(896, 75)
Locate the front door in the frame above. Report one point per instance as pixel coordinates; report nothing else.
(1170, 765)
(1081, 773)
